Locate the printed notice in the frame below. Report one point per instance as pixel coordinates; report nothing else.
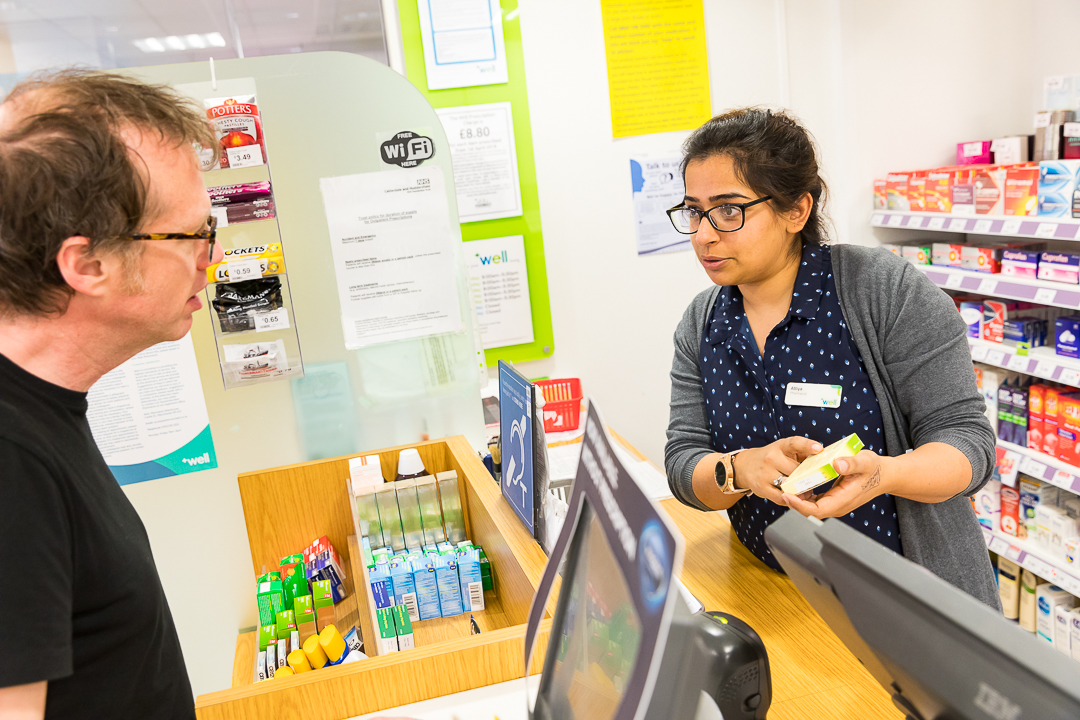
(482, 148)
(658, 73)
(463, 43)
(658, 185)
(393, 254)
(148, 416)
(499, 284)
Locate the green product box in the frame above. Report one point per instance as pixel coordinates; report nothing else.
(268, 576)
(388, 642)
(267, 635)
(485, 572)
(403, 627)
(302, 603)
(321, 594)
(295, 585)
(271, 600)
(286, 623)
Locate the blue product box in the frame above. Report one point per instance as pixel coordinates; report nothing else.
(1067, 336)
(1020, 263)
(472, 584)
(1026, 329)
(446, 576)
(382, 588)
(401, 576)
(1005, 423)
(1020, 415)
(1058, 180)
(427, 589)
(972, 313)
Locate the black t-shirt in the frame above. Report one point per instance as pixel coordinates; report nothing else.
(81, 604)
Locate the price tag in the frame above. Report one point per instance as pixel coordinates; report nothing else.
(987, 286)
(1062, 479)
(1012, 552)
(1072, 129)
(1045, 296)
(246, 156)
(244, 269)
(954, 280)
(221, 215)
(936, 223)
(878, 219)
(895, 220)
(957, 224)
(1037, 566)
(996, 357)
(1018, 362)
(915, 221)
(1045, 368)
(1054, 82)
(273, 320)
(978, 352)
(1030, 466)
(983, 226)
(1068, 582)
(998, 545)
(1011, 227)
(1046, 230)
(1070, 377)
(1042, 119)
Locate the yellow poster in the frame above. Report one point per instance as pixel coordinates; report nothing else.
(658, 73)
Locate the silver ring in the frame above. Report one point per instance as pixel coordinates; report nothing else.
(779, 481)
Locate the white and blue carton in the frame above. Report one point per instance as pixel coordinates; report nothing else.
(1067, 336)
(1058, 182)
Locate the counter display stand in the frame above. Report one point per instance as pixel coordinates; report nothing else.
(286, 507)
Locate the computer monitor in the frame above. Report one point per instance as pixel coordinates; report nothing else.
(940, 653)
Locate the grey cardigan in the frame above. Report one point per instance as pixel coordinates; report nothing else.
(913, 345)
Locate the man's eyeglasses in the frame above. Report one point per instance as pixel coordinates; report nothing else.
(209, 234)
(728, 217)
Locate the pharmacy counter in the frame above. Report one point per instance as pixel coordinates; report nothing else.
(813, 674)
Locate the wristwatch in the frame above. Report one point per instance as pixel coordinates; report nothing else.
(725, 475)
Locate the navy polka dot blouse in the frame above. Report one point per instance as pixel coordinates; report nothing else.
(744, 393)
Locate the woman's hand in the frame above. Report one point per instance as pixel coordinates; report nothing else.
(759, 468)
(860, 482)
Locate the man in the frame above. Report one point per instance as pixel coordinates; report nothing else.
(92, 167)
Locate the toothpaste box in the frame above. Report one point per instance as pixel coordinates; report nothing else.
(880, 202)
(974, 153)
(1058, 182)
(1060, 267)
(1020, 263)
(1010, 511)
(916, 190)
(937, 193)
(1067, 336)
(896, 187)
(980, 259)
(972, 313)
(916, 254)
(990, 190)
(948, 254)
(995, 313)
(1022, 189)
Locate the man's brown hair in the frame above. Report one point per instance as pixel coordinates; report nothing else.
(66, 171)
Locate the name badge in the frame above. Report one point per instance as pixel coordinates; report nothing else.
(813, 395)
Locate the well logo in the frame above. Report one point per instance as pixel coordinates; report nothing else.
(496, 259)
(203, 459)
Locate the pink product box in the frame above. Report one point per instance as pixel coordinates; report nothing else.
(974, 153)
(1020, 263)
(1061, 267)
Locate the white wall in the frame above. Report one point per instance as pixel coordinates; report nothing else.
(881, 85)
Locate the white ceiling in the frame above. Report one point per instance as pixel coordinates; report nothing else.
(100, 33)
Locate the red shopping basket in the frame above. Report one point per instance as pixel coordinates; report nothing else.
(562, 404)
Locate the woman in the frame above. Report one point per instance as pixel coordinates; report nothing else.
(801, 344)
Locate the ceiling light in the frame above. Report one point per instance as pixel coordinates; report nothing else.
(292, 16)
(176, 42)
(195, 41)
(215, 39)
(150, 45)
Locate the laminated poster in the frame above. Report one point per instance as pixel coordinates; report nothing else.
(149, 418)
(393, 252)
(481, 139)
(499, 284)
(657, 185)
(463, 43)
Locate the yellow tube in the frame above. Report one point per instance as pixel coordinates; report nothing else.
(332, 643)
(298, 661)
(314, 652)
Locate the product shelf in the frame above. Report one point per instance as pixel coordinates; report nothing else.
(1022, 227)
(1044, 467)
(1041, 361)
(1043, 292)
(1034, 557)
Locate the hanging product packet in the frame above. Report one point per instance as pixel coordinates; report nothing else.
(239, 132)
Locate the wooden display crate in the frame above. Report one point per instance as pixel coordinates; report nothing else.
(286, 508)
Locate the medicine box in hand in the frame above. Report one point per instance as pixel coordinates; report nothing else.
(817, 469)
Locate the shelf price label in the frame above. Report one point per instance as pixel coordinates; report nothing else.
(1045, 296)
(878, 219)
(1045, 368)
(954, 281)
(957, 224)
(1010, 227)
(1013, 553)
(1030, 466)
(978, 352)
(246, 156)
(937, 223)
(1070, 377)
(915, 221)
(244, 270)
(983, 226)
(998, 545)
(1046, 230)
(987, 286)
(1018, 362)
(273, 320)
(1062, 479)
(996, 357)
(895, 220)
(1037, 565)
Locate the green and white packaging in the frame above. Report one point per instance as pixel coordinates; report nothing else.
(267, 636)
(271, 601)
(387, 631)
(403, 626)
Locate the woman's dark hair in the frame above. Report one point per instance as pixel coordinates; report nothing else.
(773, 154)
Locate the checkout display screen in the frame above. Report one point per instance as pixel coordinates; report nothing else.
(599, 634)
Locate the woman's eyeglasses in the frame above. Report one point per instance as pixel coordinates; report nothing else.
(728, 217)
